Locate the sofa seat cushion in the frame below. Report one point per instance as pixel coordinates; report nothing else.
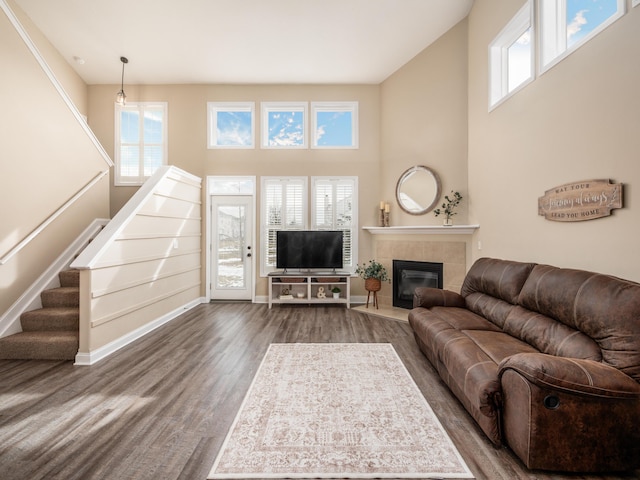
(498, 345)
(472, 374)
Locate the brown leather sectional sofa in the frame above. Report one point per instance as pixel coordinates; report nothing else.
(546, 360)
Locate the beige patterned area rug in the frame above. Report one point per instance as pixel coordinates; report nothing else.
(336, 410)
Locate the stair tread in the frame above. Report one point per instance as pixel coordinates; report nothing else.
(57, 345)
(54, 311)
(60, 297)
(51, 319)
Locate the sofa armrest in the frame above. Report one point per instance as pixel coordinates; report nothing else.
(572, 375)
(435, 297)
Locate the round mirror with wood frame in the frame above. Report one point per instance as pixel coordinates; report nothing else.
(418, 190)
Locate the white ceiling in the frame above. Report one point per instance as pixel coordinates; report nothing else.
(242, 41)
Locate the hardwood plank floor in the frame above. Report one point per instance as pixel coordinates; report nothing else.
(160, 408)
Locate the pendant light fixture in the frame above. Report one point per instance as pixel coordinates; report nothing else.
(121, 98)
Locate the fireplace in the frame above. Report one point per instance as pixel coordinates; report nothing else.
(409, 275)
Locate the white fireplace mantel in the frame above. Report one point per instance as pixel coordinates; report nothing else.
(423, 230)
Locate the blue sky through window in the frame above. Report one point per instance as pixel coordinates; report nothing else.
(334, 129)
(583, 16)
(234, 128)
(286, 129)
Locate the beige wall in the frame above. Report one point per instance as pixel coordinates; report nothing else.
(187, 124)
(424, 122)
(73, 85)
(46, 158)
(578, 121)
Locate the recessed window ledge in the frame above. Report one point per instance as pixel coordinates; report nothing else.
(424, 230)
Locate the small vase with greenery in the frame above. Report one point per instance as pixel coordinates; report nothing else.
(336, 292)
(373, 274)
(448, 206)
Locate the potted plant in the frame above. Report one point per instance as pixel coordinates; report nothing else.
(373, 274)
(448, 206)
(336, 292)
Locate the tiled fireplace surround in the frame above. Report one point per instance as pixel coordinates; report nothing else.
(452, 254)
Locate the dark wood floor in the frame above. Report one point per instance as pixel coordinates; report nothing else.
(160, 408)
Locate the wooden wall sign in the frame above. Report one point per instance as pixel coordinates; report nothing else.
(575, 202)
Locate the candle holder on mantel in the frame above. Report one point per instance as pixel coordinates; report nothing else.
(383, 218)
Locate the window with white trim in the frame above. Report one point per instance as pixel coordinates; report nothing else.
(565, 25)
(334, 124)
(283, 206)
(284, 124)
(230, 124)
(334, 206)
(140, 141)
(511, 54)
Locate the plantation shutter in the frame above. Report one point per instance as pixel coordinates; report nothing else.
(334, 208)
(284, 204)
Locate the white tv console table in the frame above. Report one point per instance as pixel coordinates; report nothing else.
(303, 287)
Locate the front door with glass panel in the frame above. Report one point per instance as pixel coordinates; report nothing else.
(232, 258)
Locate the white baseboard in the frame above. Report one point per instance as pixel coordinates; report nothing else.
(90, 358)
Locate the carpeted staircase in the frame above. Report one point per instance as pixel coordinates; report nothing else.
(50, 332)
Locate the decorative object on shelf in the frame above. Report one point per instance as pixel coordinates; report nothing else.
(418, 190)
(300, 295)
(383, 218)
(321, 293)
(579, 201)
(336, 292)
(448, 207)
(373, 273)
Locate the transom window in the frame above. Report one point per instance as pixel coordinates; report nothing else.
(511, 57)
(562, 26)
(565, 25)
(141, 141)
(284, 124)
(334, 124)
(231, 125)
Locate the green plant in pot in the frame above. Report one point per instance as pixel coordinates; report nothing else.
(373, 273)
(336, 292)
(448, 207)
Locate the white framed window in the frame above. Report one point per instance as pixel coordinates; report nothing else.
(283, 205)
(566, 25)
(511, 64)
(230, 124)
(140, 141)
(284, 124)
(334, 124)
(334, 206)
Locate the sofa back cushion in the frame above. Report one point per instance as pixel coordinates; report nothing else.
(604, 308)
(492, 286)
(550, 336)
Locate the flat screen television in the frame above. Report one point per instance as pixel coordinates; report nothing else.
(306, 249)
